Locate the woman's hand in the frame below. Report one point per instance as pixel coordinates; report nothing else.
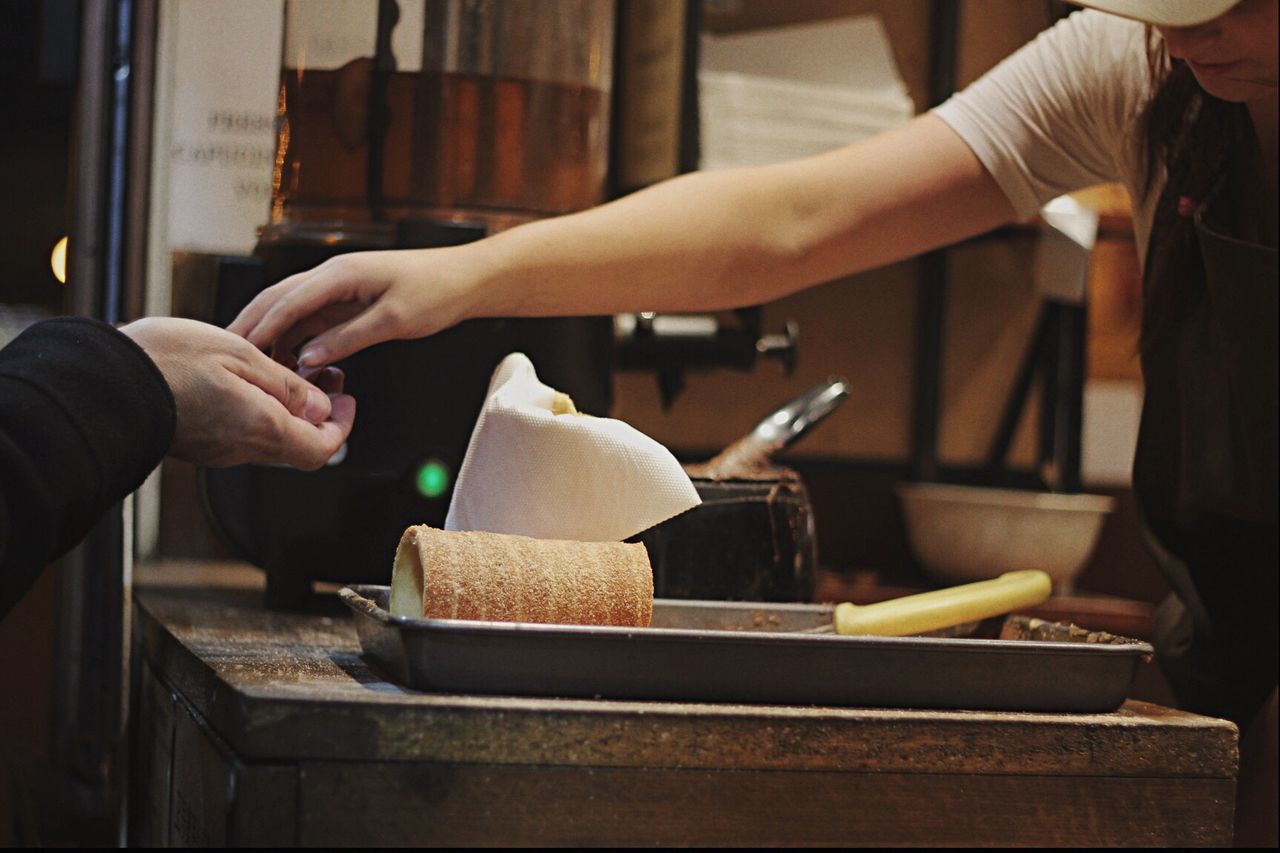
(236, 405)
(356, 300)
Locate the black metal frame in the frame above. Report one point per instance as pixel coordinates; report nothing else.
(1056, 352)
(931, 305)
(106, 264)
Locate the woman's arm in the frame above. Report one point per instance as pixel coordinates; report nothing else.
(707, 240)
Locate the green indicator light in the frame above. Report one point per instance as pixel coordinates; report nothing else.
(433, 479)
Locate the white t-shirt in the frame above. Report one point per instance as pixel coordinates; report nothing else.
(1062, 114)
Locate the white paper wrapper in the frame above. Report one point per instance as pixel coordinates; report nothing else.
(535, 473)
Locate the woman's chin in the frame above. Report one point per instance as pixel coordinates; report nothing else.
(1236, 91)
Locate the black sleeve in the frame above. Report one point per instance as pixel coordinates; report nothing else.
(84, 417)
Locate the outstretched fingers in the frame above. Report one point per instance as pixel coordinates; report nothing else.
(372, 326)
(288, 304)
(251, 315)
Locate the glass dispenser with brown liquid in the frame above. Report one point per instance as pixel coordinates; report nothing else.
(494, 111)
(413, 124)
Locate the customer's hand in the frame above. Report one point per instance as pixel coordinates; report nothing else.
(236, 405)
(356, 300)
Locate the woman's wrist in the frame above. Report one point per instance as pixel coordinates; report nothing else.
(499, 272)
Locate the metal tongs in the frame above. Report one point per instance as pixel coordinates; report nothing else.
(778, 430)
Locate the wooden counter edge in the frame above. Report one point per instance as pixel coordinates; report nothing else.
(347, 719)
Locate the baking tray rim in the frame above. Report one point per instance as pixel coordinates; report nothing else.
(356, 597)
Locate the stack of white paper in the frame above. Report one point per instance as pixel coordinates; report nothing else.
(786, 92)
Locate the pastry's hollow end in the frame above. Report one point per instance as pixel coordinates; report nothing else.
(406, 579)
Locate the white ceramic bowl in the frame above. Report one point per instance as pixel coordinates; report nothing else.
(965, 533)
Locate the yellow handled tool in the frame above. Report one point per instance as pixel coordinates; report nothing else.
(943, 608)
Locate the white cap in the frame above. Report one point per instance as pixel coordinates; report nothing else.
(1165, 13)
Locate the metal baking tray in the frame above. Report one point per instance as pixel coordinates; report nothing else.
(724, 651)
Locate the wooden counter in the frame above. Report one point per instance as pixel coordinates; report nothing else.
(253, 727)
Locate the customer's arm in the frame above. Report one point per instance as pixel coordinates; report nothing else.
(84, 416)
(86, 412)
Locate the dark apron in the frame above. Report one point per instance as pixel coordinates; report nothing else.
(1205, 473)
